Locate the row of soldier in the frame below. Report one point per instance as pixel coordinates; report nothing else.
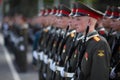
(77, 44)
(81, 43)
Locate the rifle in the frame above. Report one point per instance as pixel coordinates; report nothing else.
(82, 48)
(57, 57)
(41, 40)
(74, 45)
(50, 41)
(109, 35)
(117, 67)
(58, 39)
(62, 44)
(51, 44)
(69, 53)
(115, 53)
(46, 50)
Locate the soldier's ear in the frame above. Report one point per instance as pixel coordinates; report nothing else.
(92, 21)
(89, 22)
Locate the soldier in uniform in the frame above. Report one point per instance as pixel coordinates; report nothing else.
(71, 54)
(40, 45)
(99, 26)
(63, 18)
(37, 37)
(5, 29)
(115, 60)
(94, 60)
(113, 38)
(53, 44)
(22, 44)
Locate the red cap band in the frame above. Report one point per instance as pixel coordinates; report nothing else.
(108, 12)
(115, 13)
(74, 10)
(90, 13)
(64, 12)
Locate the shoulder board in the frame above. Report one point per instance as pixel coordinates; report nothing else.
(96, 38)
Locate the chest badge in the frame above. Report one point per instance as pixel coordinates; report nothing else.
(101, 53)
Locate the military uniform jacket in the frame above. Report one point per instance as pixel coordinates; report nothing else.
(96, 60)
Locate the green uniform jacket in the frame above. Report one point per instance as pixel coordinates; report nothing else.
(96, 60)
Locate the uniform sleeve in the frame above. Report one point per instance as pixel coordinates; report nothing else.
(100, 62)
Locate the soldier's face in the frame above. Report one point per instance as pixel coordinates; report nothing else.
(106, 22)
(80, 23)
(63, 22)
(18, 20)
(115, 25)
(54, 20)
(46, 20)
(56, 24)
(51, 19)
(71, 26)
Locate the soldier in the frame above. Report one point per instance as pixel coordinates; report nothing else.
(105, 22)
(5, 29)
(55, 38)
(107, 18)
(99, 26)
(94, 60)
(40, 45)
(37, 37)
(115, 25)
(114, 75)
(113, 35)
(23, 43)
(63, 22)
(70, 59)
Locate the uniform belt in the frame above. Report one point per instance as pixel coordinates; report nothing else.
(59, 68)
(67, 74)
(45, 58)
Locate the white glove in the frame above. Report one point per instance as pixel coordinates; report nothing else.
(62, 72)
(45, 59)
(41, 55)
(22, 47)
(35, 55)
(112, 73)
(72, 79)
(53, 67)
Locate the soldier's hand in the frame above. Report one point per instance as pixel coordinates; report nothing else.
(35, 54)
(112, 73)
(35, 57)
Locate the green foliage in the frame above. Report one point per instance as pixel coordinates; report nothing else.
(48, 3)
(101, 4)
